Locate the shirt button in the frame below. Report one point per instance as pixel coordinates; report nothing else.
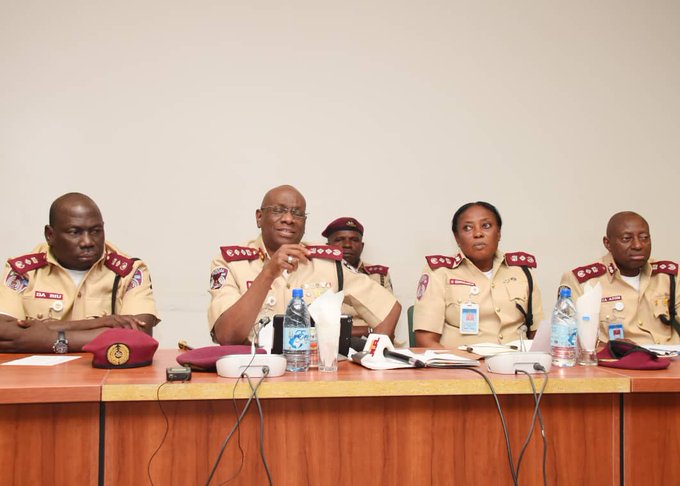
(493, 285)
(80, 294)
(500, 336)
(640, 323)
(39, 316)
(498, 309)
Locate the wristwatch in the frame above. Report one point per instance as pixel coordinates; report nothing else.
(60, 346)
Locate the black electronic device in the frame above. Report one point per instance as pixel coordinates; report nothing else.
(343, 345)
(178, 373)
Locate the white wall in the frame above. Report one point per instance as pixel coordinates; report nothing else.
(177, 116)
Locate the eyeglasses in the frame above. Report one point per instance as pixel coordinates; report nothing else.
(279, 211)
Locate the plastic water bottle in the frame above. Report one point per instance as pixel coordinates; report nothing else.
(563, 331)
(296, 337)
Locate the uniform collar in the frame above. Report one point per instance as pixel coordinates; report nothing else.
(613, 269)
(498, 260)
(259, 244)
(45, 248)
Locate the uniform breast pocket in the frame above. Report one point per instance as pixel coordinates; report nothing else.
(37, 308)
(98, 307)
(457, 294)
(659, 304)
(517, 291)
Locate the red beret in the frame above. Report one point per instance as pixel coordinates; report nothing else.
(630, 357)
(122, 348)
(343, 224)
(205, 359)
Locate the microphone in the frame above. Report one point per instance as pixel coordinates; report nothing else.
(416, 363)
(523, 329)
(256, 329)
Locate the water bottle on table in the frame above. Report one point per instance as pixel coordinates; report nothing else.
(296, 334)
(563, 330)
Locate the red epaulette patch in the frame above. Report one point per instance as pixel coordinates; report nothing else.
(325, 251)
(238, 253)
(520, 259)
(379, 269)
(26, 263)
(118, 264)
(583, 274)
(671, 268)
(439, 261)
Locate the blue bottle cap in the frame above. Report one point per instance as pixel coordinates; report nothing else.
(297, 293)
(565, 292)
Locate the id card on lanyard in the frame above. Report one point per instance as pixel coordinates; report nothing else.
(469, 318)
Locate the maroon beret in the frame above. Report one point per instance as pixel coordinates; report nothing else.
(343, 224)
(121, 348)
(205, 359)
(632, 358)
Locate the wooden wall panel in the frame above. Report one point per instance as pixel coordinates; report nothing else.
(371, 441)
(55, 444)
(652, 437)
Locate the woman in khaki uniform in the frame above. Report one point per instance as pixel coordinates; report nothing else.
(479, 295)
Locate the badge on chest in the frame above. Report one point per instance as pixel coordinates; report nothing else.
(469, 318)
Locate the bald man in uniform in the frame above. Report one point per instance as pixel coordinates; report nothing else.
(637, 302)
(348, 233)
(256, 280)
(68, 290)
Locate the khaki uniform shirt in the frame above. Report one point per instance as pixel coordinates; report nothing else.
(230, 278)
(377, 273)
(445, 286)
(48, 292)
(638, 312)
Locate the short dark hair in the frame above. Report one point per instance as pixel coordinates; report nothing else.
(465, 207)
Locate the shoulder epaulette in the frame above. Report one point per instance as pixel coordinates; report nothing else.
(583, 274)
(324, 251)
(666, 266)
(26, 263)
(373, 269)
(238, 253)
(439, 261)
(520, 259)
(119, 264)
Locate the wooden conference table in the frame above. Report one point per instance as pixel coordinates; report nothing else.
(76, 425)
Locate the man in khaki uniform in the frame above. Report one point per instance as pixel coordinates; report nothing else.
(255, 280)
(71, 288)
(636, 293)
(480, 295)
(348, 233)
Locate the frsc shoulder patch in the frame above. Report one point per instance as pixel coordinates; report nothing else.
(26, 263)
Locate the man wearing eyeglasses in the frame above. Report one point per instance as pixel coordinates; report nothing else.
(348, 234)
(640, 299)
(253, 281)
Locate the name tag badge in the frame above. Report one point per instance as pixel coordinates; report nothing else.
(469, 318)
(615, 331)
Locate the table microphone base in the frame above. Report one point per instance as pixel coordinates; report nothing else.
(509, 363)
(234, 365)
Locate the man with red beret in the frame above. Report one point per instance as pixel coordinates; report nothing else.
(72, 287)
(348, 233)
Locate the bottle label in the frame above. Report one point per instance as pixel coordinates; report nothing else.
(563, 334)
(295, 339)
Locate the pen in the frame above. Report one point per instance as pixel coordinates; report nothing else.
(402, 357)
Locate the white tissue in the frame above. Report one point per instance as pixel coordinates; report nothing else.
(588, 311)
(326, 311)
